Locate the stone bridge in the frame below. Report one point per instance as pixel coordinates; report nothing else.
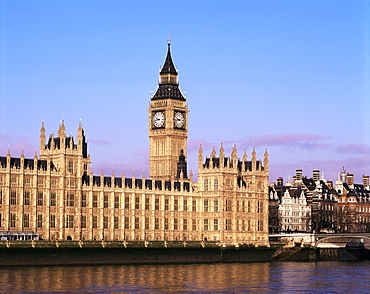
(342, 240)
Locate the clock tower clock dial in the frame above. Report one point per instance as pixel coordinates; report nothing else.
(158, 119)
(167, 124)
(179, 120)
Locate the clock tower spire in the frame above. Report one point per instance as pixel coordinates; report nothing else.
(168, 126)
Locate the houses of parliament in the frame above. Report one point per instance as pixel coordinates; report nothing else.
(55, 194)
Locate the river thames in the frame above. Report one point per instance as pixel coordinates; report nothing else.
(263, 277)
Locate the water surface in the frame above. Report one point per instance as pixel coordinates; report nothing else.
(264, 277)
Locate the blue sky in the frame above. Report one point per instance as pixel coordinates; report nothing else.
(289, 75)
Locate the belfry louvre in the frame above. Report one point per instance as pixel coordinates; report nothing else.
(56, 195)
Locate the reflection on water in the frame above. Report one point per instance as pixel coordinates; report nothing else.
(284, 277)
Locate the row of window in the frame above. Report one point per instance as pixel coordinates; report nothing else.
(40, 181)
(208, 206)
(135, 223)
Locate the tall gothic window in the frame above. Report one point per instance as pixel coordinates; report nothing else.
(185, 205)
(127, 202)
(53, 199)
(106, 204)
(70, 199)
(69, 221)
(228, 224)
(105, 222)
(205, 224)
(116, 222)
(52, 220)
(215, 185)
(13, 197)
(206, 208)
(39, 220)
(215, 224)
(95, 200)
(27, 198)
(83, 200)
(13, 218)
(40, 198)
(83, 221)
(95, 222)
(127, 222)
(205, 184)
(26, 220)
(116, 201)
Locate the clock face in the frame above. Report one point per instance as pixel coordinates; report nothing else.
(158, 119)
(179, 120)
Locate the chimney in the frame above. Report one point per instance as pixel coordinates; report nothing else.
(350, 179)
(298, 175)
(365, 181)
(316, 175)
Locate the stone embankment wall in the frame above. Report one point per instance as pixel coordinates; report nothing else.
(44, 253)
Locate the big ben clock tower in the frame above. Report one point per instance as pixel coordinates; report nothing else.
(168, 124)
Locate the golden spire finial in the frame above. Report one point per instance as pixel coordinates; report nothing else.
(169, 40)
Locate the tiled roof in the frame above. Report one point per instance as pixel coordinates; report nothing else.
(168, 92)
(168, 66)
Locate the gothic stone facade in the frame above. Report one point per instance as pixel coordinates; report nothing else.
(56, 195)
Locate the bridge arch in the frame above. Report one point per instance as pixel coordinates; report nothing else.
(343, 241)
